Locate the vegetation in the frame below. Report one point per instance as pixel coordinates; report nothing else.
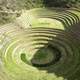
(62, 3)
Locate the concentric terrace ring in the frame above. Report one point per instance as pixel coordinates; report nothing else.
(21, 52)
